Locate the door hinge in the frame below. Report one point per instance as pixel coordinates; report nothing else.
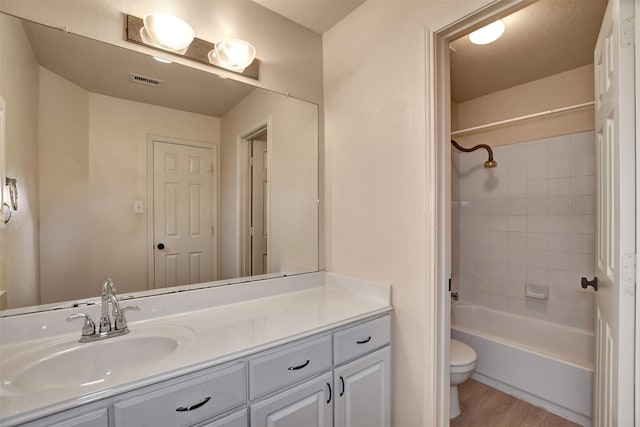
(213, 230)
(250, 231)
(627, 32)
(629, 267)
(211, 169)
(250, 161)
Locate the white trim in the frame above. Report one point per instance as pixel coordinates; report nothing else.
(151, 139)
(3, 160)
(526, 117)
(637, 308)
(438, 262)
(242, 210)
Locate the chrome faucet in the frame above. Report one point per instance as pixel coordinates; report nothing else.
(106, 328)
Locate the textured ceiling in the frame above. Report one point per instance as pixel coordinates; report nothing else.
(546, 38)
(316, 15)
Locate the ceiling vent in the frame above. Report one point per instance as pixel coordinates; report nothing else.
(149, 81)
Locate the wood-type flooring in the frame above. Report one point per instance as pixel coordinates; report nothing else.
(483, 406)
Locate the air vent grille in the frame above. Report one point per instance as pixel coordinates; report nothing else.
(144, 80)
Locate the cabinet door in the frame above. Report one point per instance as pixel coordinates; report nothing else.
(363, 391)
(308, 405)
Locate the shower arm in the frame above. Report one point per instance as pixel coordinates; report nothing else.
(488, 163)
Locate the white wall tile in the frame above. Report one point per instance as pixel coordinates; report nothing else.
(559, 187)
(583, 205)
(583, 224)
(538, 224)
(582, 166)
(537, 206)
(583, 186)
(559, 241)
(558, 168)
(537, 241)
(559, 205)
(538, 188)
(583, 243)
(559, 223)
(531, 220)
(518, 240)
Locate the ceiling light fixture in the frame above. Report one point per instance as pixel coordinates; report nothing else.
(161, 31)
(233, 54)
(488, 34)
(167, 31)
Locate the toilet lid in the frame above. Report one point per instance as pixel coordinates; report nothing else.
(461, 354)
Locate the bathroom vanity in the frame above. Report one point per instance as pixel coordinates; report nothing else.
(308, 350)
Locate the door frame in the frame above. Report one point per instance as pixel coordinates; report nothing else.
(151, 139)
(438, 128)
(243, 210)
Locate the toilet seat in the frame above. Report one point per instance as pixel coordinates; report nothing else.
(462, 357)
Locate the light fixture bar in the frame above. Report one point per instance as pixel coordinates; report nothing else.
(197, 51)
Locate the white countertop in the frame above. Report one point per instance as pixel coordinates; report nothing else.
(230, 330)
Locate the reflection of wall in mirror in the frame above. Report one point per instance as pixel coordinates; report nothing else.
(293, 206)
(18, 241)
(115, 241)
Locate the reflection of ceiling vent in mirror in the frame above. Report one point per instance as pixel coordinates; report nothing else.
(149, 81)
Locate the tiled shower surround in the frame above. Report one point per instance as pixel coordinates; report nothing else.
(530, 220)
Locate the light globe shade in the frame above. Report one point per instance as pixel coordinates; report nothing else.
(487, 34)
(234, 54)
(168, 31)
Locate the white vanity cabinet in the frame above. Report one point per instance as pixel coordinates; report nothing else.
(338, 377)
(361, 378)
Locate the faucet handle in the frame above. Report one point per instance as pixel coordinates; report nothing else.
(121, 321)
(89, 327)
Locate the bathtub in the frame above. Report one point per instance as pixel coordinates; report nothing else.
(546, 364)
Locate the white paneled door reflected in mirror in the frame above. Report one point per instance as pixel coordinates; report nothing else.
(135, 169)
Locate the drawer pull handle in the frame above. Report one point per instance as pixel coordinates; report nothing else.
(192, 407)
(342, 381)
(295, 368)
(329, 399)
(364, 341)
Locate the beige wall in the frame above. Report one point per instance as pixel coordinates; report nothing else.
(64, 190)
(19, 240)
(292, 202)
(376, 174)
(560, 90)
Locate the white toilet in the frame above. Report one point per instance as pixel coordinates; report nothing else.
(462, 364)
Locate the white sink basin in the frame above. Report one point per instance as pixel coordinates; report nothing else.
(73, 364)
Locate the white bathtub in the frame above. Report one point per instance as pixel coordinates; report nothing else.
(546, 364)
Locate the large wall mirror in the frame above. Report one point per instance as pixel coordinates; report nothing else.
(161, 176)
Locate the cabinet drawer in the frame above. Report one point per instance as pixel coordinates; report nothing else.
(186, 402)
(287, 366)
(237, 419)
(360, 339)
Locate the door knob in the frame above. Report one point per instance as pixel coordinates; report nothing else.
(593, 283)
(161, 246)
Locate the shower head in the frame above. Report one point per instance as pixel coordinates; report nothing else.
(489, 163)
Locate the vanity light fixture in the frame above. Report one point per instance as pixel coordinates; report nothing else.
(488, 33)
(164, 61)
(167, 32)
(234, 54)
